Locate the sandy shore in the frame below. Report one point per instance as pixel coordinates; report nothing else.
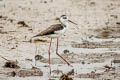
(92, 47)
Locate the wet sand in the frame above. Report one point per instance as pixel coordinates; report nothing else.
(92, 47)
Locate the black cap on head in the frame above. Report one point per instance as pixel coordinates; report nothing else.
(64, 16)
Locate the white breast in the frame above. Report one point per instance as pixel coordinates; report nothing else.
(60, 31)
(57, 33)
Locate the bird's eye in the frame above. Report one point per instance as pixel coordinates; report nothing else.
(64, 17)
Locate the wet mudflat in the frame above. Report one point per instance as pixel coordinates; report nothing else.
(92, 47)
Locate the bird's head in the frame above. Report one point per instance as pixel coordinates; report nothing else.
(64, 19)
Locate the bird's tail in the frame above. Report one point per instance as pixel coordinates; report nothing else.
(36, 35)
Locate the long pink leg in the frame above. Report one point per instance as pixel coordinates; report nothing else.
(49, 55)
(61, 56)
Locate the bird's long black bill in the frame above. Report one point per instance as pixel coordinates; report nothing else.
(72, 22)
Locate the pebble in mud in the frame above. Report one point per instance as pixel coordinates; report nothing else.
(45, 2)
(38, 57)
(83, 62)
(66, 51)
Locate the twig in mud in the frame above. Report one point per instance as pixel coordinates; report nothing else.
(66, 76)
(4, 58)
(23, 24)
(10, 63)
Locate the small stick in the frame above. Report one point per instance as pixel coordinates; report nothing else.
(4, 58)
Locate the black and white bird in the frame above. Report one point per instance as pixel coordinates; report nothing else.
(55, 31)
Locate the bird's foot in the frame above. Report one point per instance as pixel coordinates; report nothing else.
(69, 65)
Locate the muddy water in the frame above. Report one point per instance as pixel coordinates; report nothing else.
(93, 48)
(84, 62)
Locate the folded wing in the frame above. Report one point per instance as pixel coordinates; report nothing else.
(50, 30)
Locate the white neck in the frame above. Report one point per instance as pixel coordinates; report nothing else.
(64, 23)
